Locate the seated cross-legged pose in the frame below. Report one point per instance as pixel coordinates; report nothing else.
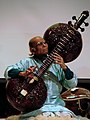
(57, 76)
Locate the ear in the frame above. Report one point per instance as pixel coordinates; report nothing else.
(32, 50)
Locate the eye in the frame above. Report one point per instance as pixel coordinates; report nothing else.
(41, 43)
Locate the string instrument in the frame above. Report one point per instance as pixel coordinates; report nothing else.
(78, 100)
(66, 38)
(25, 95)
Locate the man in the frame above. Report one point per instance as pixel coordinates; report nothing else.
(59, 76)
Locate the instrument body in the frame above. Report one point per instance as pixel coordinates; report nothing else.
(69, 38)
(78, 100)
(25, 96)
(62, 38)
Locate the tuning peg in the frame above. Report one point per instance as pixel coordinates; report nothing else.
(82, 29)
(74, 18)
(86, 24)
(70, 23)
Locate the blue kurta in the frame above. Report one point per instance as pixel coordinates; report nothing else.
(54, 79)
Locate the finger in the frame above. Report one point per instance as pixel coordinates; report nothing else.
(30, 75)
(34, 68)
(28, 72)
(56, 54)
(31, 68)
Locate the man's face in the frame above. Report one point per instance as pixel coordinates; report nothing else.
(41, 47)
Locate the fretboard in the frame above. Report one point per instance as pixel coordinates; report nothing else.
(48, 61)
(64, 40)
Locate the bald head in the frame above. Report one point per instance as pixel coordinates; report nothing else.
(38, 46)
(32, 42)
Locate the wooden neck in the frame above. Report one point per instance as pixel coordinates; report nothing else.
(48, 61)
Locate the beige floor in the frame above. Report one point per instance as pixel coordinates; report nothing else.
(44, 118)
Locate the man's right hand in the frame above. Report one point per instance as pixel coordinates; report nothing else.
(29, 72)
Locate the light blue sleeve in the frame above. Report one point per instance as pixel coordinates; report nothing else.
(22, 65)
(61, 77)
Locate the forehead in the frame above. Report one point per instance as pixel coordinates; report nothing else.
(38, 39)
(33, 42)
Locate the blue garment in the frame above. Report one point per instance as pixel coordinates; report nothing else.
(54, 79)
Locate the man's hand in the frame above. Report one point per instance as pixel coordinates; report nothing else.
(59, 60)
(29, 72)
